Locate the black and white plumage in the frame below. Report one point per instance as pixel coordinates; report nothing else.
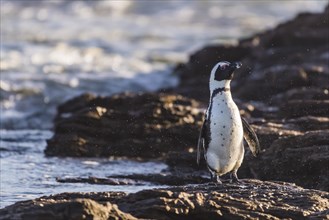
(223, 129)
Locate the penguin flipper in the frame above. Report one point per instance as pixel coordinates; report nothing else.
(201, 141)
(250, 137)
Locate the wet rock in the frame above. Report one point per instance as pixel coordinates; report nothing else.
(177, 178)
(133, 125)
(97, 180)
(67, 206)
(183, 161)
(300, 159)
(252, 199)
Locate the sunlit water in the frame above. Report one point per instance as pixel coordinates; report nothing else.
(54, 50)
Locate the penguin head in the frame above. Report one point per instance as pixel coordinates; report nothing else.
(224, 70)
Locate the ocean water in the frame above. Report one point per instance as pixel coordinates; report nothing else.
(53, 50)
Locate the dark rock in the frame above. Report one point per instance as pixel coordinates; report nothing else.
(194, 75)
(292, 55)
(308, 29)
(310, 123)
(273, 81)
(76, 104)
(288, 154)
(251, 199)
(134, 125)
(177, 178)
(282, 90)
(67, 206)
(184, 160)
(303, 93)
(298, 108)
(300, 159)
(97, 180)
(268, 132)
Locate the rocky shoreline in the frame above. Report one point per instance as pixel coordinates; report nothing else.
(252, 199)
(283, 92)
(144, 125)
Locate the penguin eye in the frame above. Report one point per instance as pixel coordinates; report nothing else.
(223, 67)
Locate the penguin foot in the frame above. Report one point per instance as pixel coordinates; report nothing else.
(215, 180)
(234, 178)
(235, 181)
(212, 184)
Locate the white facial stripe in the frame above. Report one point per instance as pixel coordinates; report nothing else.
(213, 84)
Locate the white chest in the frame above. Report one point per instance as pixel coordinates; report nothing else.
(226, 132)
(224, 115)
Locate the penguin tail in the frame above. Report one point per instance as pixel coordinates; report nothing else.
(198, 156)
(201, 141)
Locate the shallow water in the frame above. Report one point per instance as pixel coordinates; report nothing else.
(52, 51)
(27, 173)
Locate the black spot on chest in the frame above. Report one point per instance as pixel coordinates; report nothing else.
(208, 134)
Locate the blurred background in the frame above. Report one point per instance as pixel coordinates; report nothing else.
(53, 50)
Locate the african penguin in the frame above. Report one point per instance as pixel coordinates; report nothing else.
(223, 129)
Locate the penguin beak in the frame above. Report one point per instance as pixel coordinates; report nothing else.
(236, 65)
